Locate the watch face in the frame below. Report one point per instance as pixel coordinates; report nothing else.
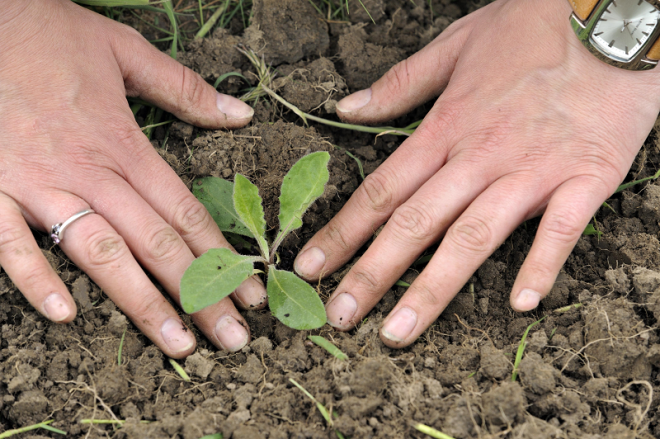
(624, 27)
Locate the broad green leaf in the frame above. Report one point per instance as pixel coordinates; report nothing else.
(212, 277)
(304, 183)
(328, 346)
(293, 301)
(217, 195)
(591, 230)
(247, 203)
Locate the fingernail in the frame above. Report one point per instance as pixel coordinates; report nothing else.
(56, 308)
(527, 300)
(231, 334)
(310, 262)
(233, 108)
(355, 101)
(400, 324)
(341, 311)
(177, 337)
(251, 293)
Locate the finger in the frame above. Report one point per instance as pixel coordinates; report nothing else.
(164, 254)
(157, 78)
(410, 166)
(413, 227)
(165, 193)
(29, 269)
(412, 81)
(95, 247)
(473, 237)
(568, 213)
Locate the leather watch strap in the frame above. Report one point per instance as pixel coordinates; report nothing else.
(583, 8)
(654, 51)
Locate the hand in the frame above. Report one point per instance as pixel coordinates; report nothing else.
(69, 142)
(528, 122)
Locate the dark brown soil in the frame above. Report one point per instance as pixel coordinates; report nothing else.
(590, 372)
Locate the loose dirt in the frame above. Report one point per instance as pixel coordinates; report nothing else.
(588, 372)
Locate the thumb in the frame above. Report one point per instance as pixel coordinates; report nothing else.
(411, 82)
(159, 79)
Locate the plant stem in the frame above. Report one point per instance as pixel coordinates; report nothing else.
(10, 433)
(304, 116)
(211, 21)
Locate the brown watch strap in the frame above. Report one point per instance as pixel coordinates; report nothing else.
(583, 8)
(654, 51)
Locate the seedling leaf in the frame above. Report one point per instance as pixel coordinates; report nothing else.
(591, 230)
(521, 349)
(432, 432)
(212, 277)
(247, 203)
(217, 195)
(182, 373)
(302, 185)
(293, 301)
(328, 346)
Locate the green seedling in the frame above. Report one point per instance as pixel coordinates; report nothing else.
(182, 373)
(237, 208)
(324, 412)
(568, 308)
(265, 76)
(121, 347)
(332, 349)
(44, 425)
(213, 436)
(521, 349)
(430, 431)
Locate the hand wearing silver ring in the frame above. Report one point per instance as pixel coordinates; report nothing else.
(57, 230)
(65, 73)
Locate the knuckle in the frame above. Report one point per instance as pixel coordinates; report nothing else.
(10, 238)
(413, 222)
(425, 295)
(36, 275)
(364, 277)
(146, 306)
(191, 218)
(376, 193)
(192, 89)
(105, 248)
(335, 234)
(563, 228)
(398, 78)
(163, 245)
(471, 235)
(130, 137)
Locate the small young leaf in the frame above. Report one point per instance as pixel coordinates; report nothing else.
(212, 277)
(217, 195)
(247, 203)
(304, 183)
(293, 301)
(328, 346)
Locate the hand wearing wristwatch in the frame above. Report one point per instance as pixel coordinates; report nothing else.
(622, 33)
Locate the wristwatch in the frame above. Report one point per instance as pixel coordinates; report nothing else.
(623, 33)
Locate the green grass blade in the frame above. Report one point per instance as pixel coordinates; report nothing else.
(121, 347)
(206, 27)
(182, 373)
(359, 163)
(328, 346)
(113, 3)
(44, 425)
(212, 277)
(247, 204)
(217, 195)
(402, 283)
(521, 349)
(169, 10)
(625, 186)
(432, 432)
(293, 301)
(228, 75)
(213, 436)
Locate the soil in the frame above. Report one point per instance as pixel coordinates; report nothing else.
(587, 372)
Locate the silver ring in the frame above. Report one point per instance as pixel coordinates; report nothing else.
(57, 231)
